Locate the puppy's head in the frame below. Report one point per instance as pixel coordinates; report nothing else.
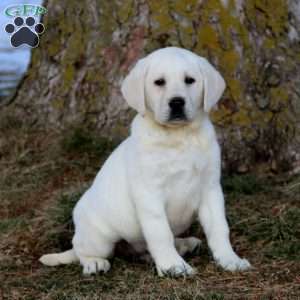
(173, 85)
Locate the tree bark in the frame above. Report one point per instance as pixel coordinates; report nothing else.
(89, 46)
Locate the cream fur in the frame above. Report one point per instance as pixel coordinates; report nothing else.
(161, 177)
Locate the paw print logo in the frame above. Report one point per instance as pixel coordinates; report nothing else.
(24, 33)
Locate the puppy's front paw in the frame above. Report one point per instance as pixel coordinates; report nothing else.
(233, 263)
(175, 268)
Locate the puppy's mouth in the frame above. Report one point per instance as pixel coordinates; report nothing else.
(177, 115)
(177, 118)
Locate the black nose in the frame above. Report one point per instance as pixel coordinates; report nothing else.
(177, 111)
(177, 103)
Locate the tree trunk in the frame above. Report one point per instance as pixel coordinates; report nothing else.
(89, 46)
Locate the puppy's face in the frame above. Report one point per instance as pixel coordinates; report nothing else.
(173, 89)
(173, 85)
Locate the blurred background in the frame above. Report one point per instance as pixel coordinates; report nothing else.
(62, 114)
(89, 46)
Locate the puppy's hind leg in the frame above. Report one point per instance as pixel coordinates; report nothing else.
(93, 251)
(187, 245)
(183, 246)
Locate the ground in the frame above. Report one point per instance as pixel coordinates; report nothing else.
(43, 174)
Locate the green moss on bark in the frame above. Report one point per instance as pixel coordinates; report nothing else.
(90, 46)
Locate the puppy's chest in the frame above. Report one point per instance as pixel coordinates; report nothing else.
(181, 181)
(178, 170)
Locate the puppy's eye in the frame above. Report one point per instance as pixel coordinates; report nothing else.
(189, 80)
(160, 82)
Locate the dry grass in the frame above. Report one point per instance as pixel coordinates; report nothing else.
(42, 176)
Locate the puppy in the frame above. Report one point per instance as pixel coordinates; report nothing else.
(166, 173)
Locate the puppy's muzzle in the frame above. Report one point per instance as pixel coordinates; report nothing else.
(177, 109)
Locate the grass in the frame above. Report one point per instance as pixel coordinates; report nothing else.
(43, 174)
(248, 184)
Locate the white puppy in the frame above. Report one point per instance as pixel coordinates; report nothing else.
(162, 176)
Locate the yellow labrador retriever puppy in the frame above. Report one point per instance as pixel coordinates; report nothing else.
(162, 176)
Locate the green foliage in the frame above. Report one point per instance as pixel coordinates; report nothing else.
(9, 121)
(188, 295)
(278, 230)
(293, 186)
(62, 212)
(275, 227)
(61, 221)
(242, 184)
(7, 224)
(82, 141)
(283, 235)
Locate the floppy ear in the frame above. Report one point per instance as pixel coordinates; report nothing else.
(214, 84)
(133, 87)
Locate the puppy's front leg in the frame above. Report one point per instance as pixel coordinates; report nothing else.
(159, 238)
(213, 220)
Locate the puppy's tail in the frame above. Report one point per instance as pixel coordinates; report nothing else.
(56, 259)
